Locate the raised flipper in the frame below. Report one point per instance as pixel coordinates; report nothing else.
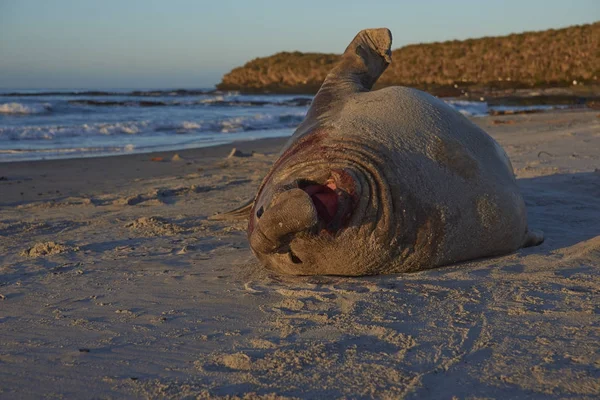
(533, 238)
(240, 213)
(362, 63)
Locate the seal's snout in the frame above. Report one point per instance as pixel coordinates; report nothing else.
(291, 212)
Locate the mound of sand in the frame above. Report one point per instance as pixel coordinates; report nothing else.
(47, 249)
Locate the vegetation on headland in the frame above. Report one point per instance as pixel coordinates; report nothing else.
(555, 57)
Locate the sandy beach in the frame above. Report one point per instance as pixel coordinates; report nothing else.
(114, 283)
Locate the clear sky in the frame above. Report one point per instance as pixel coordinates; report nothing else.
(192, 43)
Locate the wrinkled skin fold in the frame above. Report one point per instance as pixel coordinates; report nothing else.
(384, 181)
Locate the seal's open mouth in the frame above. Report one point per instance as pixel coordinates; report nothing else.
(325, 199)
(334, 199)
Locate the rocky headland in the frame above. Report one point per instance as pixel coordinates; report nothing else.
(555, 62)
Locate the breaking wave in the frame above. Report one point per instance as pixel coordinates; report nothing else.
(224, 125)
(19, 108)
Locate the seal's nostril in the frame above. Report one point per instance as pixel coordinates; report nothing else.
(260, 212)
(295, 258)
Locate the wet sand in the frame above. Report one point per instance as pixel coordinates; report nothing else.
(113, 283)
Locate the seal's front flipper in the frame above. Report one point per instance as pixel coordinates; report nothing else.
(533, 238)
(242, 212)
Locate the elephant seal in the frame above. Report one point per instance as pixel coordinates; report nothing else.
(385, 181)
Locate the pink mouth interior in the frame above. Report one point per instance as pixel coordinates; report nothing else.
(325, 200)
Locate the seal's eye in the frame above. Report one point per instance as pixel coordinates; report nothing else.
(260, 212)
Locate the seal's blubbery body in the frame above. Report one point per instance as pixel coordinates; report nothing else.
(384, 181)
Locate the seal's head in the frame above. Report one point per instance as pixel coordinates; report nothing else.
(299, 220)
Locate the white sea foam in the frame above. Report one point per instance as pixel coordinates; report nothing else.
(52, 132)
(214, 99)
(177, 126)
(189, 125)
(234, 124)
(257, 122)
(224, 125)
(469, 108)
(18, 108)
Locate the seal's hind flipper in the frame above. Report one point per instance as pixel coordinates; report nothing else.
(242, 212)
(363, 61)
(359, 67)
(533, 238)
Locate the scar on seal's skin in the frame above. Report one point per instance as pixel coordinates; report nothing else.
(429, 239)
(453, 156)
(487, 212)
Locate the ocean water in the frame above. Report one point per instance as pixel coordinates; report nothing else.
(38, 124)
